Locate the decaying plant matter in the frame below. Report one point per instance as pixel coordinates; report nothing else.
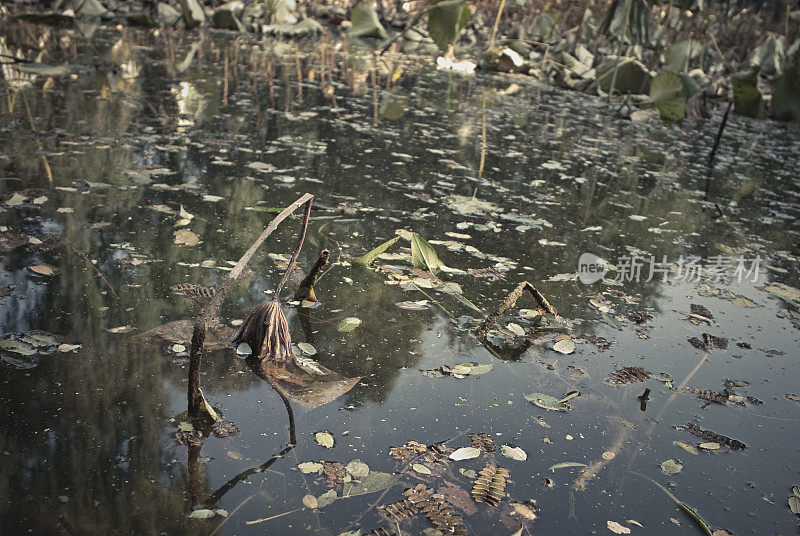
(628, 375)
(490, 486)
(265, 329)
(708, 435)
(211, 309)
(510, 301)
(306, 289)
(482, 441)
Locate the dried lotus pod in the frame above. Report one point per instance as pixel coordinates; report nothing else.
(628, 375)
(482, 441)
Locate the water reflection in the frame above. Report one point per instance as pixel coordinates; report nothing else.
(519, 182)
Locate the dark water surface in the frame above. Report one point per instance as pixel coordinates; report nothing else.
(88, 437)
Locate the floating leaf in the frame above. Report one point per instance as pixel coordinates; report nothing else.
(465, 453)
(309, 501)
(516, 329)
(42, 269)
(16, 363)
(16, 200)
(306, 348)
(794, 504)
(421, 469)
(327, 498)
(18, 347)
(414, 305)
(515, 453)
(185, 427)
(616, 528)
(357, 469)
(546, 401)
(367, 259)
(373, 482)
(671, 467)
(185, 237)
(120, 329)
(202, 513)
(310, 467)
(741, 301)
(348, 324)
(325, 439)
(423, 255)
(562, 465)
(564, 346)
(709, 446)
(685, 446)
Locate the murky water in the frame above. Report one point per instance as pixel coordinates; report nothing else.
(505, 178)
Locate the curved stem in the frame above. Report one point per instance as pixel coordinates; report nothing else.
(296, 251)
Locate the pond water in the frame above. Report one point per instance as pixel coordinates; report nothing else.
(507, 180)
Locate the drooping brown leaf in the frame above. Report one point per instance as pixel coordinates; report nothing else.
(459, 498)
(308, 389)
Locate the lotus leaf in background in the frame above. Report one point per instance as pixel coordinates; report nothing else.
(366, 22)
(632, 76)
(747, 98)
(786, 92)
(446, 20)
(669, 93)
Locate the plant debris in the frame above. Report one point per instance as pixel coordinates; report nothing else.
(490, 486)
(628, 375)
(710, 436)
(482, 441)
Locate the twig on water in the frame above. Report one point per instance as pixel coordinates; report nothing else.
(89, 261)
(510, 301)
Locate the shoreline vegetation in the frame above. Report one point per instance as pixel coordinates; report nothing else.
(682, 58)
